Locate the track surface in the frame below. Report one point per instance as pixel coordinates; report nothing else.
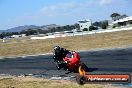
(104, 61)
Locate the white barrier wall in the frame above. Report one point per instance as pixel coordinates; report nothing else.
(45, 37)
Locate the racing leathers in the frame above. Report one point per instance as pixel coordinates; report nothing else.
(60, 53)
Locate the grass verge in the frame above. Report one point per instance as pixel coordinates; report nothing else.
(16, 47)
(42, 83)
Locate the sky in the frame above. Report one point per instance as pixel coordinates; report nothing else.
(15, 13)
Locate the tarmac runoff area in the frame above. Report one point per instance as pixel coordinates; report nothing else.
(104, 61)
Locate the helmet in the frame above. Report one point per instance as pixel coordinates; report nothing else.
(57, 48)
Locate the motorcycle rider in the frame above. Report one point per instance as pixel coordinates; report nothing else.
(66, 59)
(59, 53)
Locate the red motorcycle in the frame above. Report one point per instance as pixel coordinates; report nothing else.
(70, 61)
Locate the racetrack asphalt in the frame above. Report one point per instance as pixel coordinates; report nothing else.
(101, 62)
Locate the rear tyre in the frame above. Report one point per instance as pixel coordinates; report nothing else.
(81, 80)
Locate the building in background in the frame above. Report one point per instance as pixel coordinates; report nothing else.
(124, 22)
(84, 24)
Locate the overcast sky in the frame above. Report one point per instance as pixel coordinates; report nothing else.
(41, 12)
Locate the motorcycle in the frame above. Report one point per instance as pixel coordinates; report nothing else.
(69, 62)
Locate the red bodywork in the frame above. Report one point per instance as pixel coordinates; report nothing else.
(73, 62)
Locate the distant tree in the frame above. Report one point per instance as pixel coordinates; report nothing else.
(113, 15)
(23, 32)
(39, 31)
(85, 29)
(29, 32)
(58, 29)
(1, 36)
(77, 26)
(92, 28)
(15, 33)
(98, 24)
(117, 16)
(64, 28)
(8, 34)
(114, 26)
(52, 30)
(72, 26)
(44, 31)
(125, 15)
(104, 24)
(68, 27)
(130, 22)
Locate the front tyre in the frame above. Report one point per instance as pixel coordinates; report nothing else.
(81, 80)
